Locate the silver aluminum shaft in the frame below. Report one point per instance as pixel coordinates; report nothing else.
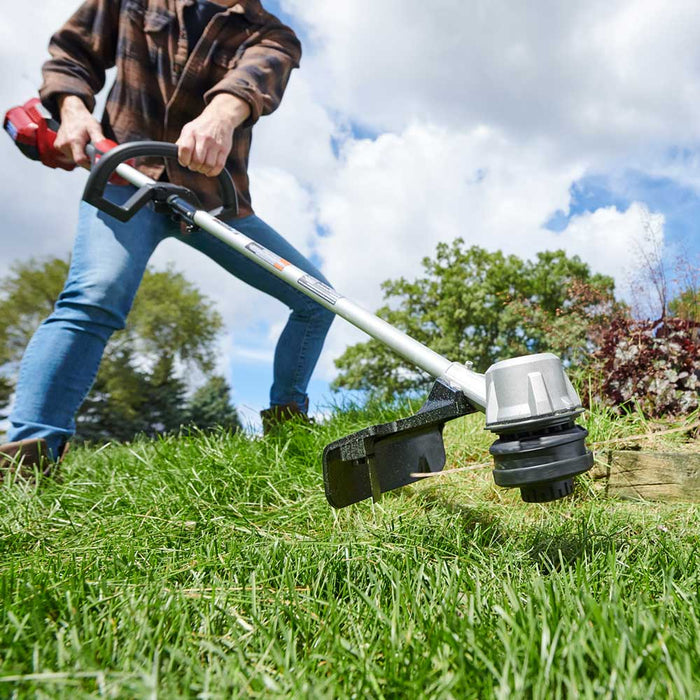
(471, 383)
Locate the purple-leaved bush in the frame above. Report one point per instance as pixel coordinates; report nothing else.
(654, 364)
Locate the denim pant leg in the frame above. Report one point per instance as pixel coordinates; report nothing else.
(62, 359)
(301, 341)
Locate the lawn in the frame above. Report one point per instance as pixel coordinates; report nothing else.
(212, 567)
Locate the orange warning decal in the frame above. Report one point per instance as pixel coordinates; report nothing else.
(268, 256)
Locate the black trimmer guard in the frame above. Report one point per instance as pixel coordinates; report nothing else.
(384, 457)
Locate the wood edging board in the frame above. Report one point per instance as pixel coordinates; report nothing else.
(649, 476)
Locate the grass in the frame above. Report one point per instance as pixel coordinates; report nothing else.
(211, 567)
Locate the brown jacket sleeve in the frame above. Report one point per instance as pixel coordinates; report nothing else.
(81, 50)
(261, 72)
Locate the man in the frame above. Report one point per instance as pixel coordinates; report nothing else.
(199, 74)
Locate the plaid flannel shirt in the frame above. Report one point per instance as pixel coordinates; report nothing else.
(161, 85)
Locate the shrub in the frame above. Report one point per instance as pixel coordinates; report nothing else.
(655, 364)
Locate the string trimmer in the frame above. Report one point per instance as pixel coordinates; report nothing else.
(529, 402)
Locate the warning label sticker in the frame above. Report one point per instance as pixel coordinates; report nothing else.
(320, 289)
(268, 256)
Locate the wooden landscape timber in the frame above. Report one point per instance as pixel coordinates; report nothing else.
(650, 476)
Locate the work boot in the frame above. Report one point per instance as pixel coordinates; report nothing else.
(25, 457)
(275, 416)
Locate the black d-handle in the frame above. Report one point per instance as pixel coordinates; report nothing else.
(104, 168)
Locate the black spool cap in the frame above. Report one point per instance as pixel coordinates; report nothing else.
(541, 459)
(549, 491)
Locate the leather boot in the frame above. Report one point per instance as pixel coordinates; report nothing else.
(275, 416)
(25, 457)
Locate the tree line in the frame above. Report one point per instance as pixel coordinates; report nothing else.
(473, 305)
(469, 304)
(140, 387)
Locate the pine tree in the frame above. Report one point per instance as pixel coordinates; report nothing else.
(210, 407)
(115, 407)
(164, 405)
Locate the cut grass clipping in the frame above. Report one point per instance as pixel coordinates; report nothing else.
(212, 567)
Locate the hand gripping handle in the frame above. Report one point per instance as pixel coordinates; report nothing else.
(103, 169)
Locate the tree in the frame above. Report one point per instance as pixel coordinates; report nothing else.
(5, 382)
(165, 402)
(137, 388)
(114, 409)
(27, 297)
(574, 330)
(210, 407)
(126, 401)
(171, 317)
(657, 276)
(473, 305)
(650, 282)
(686, 305)
(5, 394)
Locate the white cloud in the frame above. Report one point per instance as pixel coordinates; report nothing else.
(252, 355)
(298, 137)
(612, 241)
(39, 205)
(588, 75)
(284, 204)
(404, 193)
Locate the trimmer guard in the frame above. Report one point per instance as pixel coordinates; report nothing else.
(384, 457)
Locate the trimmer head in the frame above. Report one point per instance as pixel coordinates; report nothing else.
(541, 459)
(530, 406)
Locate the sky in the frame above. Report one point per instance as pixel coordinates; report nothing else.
(516, 126)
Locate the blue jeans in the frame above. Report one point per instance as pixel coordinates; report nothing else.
(109, 258)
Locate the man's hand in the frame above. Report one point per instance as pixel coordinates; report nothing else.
(78, 128)
(205, 143)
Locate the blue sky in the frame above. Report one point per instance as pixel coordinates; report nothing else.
(289, 18)
(521, 127)
(680, 204)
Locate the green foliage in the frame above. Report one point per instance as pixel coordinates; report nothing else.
(686, 305)
(27, 297)
(5, 393)
(137, 389)
(171, 317)
(210, 407)
(165, 402)
(477, 306)
(126, 401)
(113, 410)
(576, 328)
